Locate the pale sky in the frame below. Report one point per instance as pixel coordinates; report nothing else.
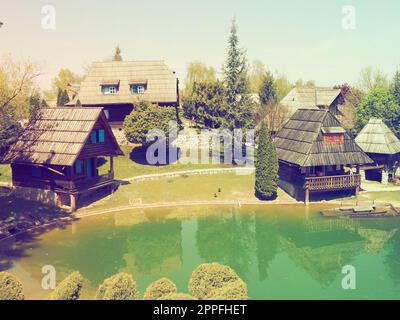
(302, 39)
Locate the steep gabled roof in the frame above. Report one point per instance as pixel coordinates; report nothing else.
(160, 80)
(376, 137)
(310, 98)
(57, 135)
(300, 141)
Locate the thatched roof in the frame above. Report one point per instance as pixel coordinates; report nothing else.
(310, 98)
(300, 141)
(160, 80)
(57, 135)
(376, 137)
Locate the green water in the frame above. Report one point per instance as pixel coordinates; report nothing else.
(280, 252)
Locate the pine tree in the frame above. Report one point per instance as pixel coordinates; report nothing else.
(117, 54)
(396, 87)
(62, 98)
(267, 91)
(266, 164)
(35, 103)
(240, 109)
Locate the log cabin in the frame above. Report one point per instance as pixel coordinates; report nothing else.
(55, 159)
(118, 85)
(383, 147)
(316, 155)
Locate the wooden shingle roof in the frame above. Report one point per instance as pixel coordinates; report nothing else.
(300, 141)
(56, 136)
(310, 98)
(376, 137)
(160, 80)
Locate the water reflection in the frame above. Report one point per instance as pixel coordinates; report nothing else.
(171, 242)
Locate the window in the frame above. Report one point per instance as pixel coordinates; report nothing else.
(93, 136)
(79, 166)
(109, 89)
(138, 88)
(334, 138)
(101, 135)
(36, 171)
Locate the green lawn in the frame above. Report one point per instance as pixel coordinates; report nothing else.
(134, 163)
(183, 188)
(5, 173)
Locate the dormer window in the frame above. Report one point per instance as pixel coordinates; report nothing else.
(109, 86)
(138, 86)
(333, 135)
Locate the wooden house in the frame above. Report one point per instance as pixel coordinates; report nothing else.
(316, 155)
(55, 159)
(118, 85)
(382, 146)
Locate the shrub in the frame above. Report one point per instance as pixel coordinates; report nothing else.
(10, 287)
(177, 296)
(118, 287)
(233, 291)
(147, 116)
(209, 277)
(159, 288)
(69, 289)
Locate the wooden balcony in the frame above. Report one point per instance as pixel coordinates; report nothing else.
(86, 184)
(327, 183)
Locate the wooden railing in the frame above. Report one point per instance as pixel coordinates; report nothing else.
(84, 184)
(333, 182)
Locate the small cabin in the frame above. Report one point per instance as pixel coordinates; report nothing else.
(317, 156)
(383, 147)
(56, 158)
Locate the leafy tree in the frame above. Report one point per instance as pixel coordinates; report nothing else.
(60, 82)
(257, 76)
(70, 288)
(379, 103)
(282, 86)
(206, 104)
(241, 108)
(198, 72)
(10, 129)
(118, 287)
(301, 84)
(214, 281)
(10, 287)
(117, 54)
(266, 164)
(371, 79)
(159, 288)
(147, 116)
(396, 87)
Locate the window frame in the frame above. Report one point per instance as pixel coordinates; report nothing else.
(37, 172)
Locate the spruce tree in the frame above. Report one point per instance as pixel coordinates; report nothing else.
(63, 98)
(396, 87)
(240, 108)
(266, 164)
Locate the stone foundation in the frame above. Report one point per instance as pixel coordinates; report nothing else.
(45, 196)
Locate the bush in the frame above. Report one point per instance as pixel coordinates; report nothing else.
(209, 277)
(10, 287)
(159, 288)
(233, 291)
(118, 287)
(147, 116)
(177, 296)
(69, 289)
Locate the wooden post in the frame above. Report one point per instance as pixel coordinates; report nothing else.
(111, 164)
(307, 197)
(73, 202)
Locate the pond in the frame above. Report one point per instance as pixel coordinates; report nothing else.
(286, 252)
